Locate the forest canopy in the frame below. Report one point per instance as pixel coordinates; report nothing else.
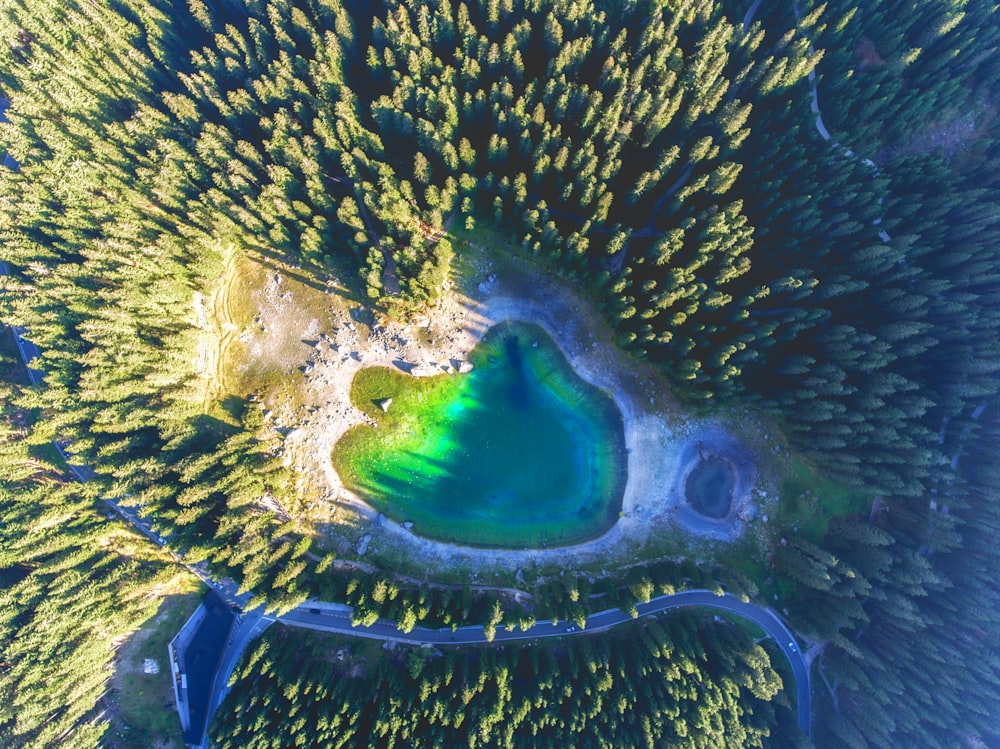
(686, 684)
(837, 274)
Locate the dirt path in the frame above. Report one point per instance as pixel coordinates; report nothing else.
(825, 134)
(751, 12)
(220, 329)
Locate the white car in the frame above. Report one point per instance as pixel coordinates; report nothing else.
(791, 646)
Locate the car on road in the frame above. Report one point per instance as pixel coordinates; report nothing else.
(570, 629)
(314, 611)
(791, 646)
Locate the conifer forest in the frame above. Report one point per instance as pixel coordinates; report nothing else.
(789, 209)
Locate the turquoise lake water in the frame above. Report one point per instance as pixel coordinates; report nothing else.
(519, 453)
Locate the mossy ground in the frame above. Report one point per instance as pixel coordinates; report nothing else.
(145, 716)
(271, 312)
(809, 500)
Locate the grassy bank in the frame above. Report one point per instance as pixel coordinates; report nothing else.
(145, 715)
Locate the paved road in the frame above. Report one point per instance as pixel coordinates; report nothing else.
(227, 589)
(29, 352)
(7, 160)
(324, 618)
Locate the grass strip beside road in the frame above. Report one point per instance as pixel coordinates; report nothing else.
(144, 715)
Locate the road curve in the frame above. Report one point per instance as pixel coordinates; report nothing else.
(325, 617)
(248, 627)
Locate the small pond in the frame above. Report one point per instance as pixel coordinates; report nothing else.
(709, 487)
(518, 453)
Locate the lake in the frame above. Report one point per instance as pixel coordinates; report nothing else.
(519, 453)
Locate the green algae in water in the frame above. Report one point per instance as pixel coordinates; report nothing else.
(518, 453)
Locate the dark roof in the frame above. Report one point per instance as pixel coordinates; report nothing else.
(201, 660)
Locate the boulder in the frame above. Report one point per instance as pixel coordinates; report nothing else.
(384, 404)
(465, 367)
(363, 544)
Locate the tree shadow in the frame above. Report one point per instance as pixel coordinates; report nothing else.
(307, 274)
(234, 406)
(219, 427)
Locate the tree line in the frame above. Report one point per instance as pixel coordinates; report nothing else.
(680, 681)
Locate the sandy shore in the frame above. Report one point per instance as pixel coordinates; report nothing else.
(662, 447)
